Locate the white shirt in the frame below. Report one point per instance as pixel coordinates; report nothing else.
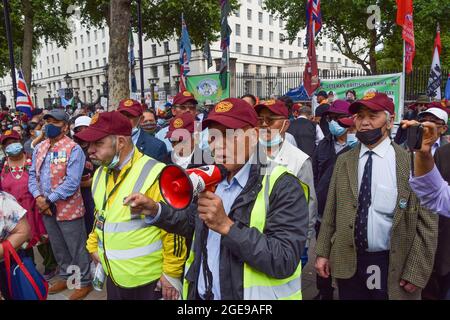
(290, 138)
(383, 194)
(435, 146)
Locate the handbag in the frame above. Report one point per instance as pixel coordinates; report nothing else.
(23, 279)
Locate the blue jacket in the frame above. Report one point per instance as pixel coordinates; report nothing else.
(151, 146)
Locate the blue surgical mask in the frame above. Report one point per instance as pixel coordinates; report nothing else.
(352, 141)
(277, 140)
(14, 149)
(335, 129)
(37, 132)
(52, 131)
(115, 161)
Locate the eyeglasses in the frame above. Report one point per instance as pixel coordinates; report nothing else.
(438, 123)
(269, 120)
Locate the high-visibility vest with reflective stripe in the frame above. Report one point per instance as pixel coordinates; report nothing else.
(258, 285)
(130, 251)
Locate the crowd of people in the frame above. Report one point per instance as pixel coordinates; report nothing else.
(82, 188)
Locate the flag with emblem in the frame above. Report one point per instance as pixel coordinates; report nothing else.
(24, 102)
(225, 32)
(405, 20)
(185, 54)
(311, 73)
(434, 81)
(132, 61)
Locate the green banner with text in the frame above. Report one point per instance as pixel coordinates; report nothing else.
(207, 88)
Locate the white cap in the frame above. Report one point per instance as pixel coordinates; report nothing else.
(82, 121)
(438, 113)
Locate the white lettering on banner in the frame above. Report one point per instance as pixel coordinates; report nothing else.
(375, 16)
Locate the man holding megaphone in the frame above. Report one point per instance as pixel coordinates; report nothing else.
(257, 220)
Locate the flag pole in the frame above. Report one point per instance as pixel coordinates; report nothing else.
(402, 85)
(10, 48)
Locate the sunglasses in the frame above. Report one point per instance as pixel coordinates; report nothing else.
(269, 120)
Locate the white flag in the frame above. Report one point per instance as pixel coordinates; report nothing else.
(434, 82)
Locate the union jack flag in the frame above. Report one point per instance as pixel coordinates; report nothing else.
(313, 17)
(24, 102)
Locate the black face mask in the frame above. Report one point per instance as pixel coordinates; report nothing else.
(369, 137)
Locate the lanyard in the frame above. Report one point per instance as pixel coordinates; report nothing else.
(116, 186)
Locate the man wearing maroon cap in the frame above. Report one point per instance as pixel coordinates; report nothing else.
(273, 122)
(186, 152)
(375, 238)
(182, 103)
(146, 143)
(226, 219)
(135, 256)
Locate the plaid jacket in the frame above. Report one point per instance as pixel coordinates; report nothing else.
(413, 235)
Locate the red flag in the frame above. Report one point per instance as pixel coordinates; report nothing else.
(311, 74)
(405, 20)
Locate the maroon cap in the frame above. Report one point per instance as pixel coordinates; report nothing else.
(339, 107)
(375, 102)
(9, 134)
(132, 107)
(105, 124)
(346, 122)
(233, 113)
(184, 97)
(276, 106)
(296, 107)
(182, 121)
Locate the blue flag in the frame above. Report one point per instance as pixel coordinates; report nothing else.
(447, 88)
(185, 53)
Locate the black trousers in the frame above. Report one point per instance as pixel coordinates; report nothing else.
(146, 292)
(370, 279)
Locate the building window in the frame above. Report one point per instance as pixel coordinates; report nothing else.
(103, 33)
(281, 23)
(89, 52)
(53, 69)
(238, 47)
(59, 70)
(76, 55)
(82, 53)
(258, 69)
(246, 68)
(281, 38)
(95, 35)
(324, 59)
(155, 71)
(299, 42)
(324, 46)
(166, 46)
(81, 39)
(346, 62)
(299, 55)
(271, 36)
(238, 14)
(83, 66)
(97, 79)
(57, 57)
(249, 32)
(76, 41)
(154, 50)
(271, 52)
(249, 14)
(260, 34)
(261, 51)
(271, 20)
(279, 70)
(104, 61)
(250, 49)
(260, 17)
(97, 64)
(48, 72)
(76, 67)
(238, 29)
(281, 54)
(166, 70)
(90, 64)
(331, 59)
(339, 60)
(104, 47)
(291, 55)
(53, 59)
(96, 49)
(48, 60)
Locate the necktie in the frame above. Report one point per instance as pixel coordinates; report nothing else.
(364, 202)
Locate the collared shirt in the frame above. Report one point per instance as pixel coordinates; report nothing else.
(435, 146)
(71, 183)
(228, 192)
(338, 147)
(135, 137)
(383, 194)
(433, 191)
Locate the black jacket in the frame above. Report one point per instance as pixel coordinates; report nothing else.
(324, 160)
(151, 146)
(275, 252)
(304, 132)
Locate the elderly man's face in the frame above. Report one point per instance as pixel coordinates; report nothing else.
(440, 124)
(187, 107)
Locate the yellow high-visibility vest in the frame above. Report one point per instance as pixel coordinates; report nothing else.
(129, 249)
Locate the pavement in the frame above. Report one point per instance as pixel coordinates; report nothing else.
(308, 281)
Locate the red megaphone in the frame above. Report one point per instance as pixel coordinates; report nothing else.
(179, 187)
